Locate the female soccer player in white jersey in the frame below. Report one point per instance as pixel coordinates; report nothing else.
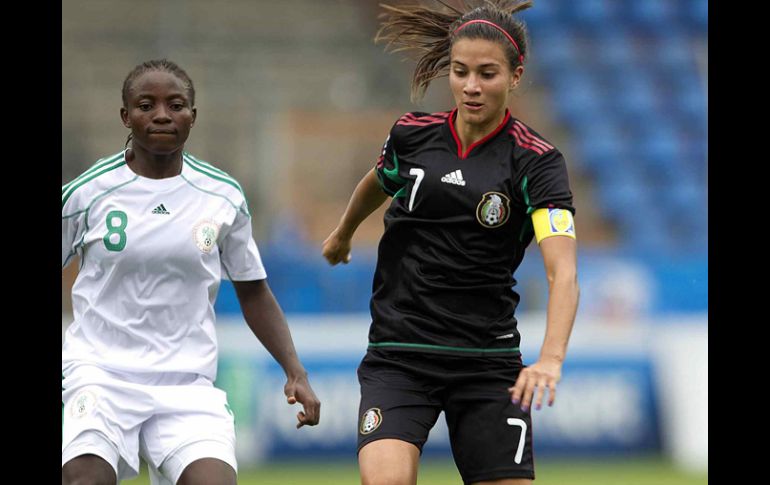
(471, 187)
(156, 229)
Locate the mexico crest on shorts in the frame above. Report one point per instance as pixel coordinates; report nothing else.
(205, 235)
(493, 210)
(371, 420)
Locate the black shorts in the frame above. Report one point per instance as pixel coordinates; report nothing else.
(402, 394)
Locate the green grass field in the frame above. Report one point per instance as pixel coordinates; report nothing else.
(644, 471)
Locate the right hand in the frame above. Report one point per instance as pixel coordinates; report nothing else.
(336, 248)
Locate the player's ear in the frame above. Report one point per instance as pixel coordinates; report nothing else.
(194, 116)
(516, 77)
(124, 117)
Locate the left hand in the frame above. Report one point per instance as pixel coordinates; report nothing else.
(298, 390)
(544, 373)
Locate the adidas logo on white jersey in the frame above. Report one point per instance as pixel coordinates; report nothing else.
(161, 209)
(455, 177)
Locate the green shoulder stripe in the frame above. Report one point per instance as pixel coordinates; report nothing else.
(102, 162)
(71, 190)
(206, 164)
(210, 171)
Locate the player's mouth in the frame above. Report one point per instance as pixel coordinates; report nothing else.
(472, 105)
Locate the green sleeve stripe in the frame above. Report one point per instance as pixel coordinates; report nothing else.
(439, 347)
(384, 186)
(524, 182)
(393, 174)
(96, 166)
(213, 173)
(84, 181)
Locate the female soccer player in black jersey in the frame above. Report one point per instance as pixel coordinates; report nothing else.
(470, 188)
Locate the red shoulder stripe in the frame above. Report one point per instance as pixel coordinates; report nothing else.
(525, 144)
(422, 119)
(532, 138)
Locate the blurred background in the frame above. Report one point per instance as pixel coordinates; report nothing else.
(295, 100)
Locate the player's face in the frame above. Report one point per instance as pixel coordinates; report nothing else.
(481, 79)
(158, 113)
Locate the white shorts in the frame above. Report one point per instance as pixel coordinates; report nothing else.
(169, 419)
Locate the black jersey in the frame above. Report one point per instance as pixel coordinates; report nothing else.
(455, 232)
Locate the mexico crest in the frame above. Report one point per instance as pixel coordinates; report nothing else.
(371, 420)
(493, 210)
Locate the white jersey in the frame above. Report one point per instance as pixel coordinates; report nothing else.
(153, 252)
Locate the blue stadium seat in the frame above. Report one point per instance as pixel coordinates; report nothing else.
(542, 17)
(599, 146)
(625, 79)
(558, 46)
(660, 142)
(589, 14)
(686, 210)
(632, 95)
(673, 49)
(612, 48)
(575, 96)
(697, 15)
(652, 16)
(621, 198)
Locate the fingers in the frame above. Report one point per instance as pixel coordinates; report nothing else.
(551, 393)
(530, 389)
(311, 412)
(301, 419)
(309, 415)
(540, 393)
(335, 256)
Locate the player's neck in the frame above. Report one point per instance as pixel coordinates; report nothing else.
(470, 133)
(154, 165)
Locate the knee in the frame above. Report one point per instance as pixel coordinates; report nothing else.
(71, 476)
(88, 470)
(208, 471)
(388, 479)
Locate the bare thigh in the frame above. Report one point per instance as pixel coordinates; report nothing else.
(388, 462)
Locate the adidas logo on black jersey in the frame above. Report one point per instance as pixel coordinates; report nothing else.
(455, 177)
(161, 209)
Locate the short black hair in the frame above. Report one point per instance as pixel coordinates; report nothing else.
(163, 65)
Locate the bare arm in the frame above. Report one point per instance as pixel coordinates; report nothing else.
(266, 320)
(560, 259)
(366, 198)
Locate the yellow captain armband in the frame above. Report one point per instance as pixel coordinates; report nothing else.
(553, 222)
